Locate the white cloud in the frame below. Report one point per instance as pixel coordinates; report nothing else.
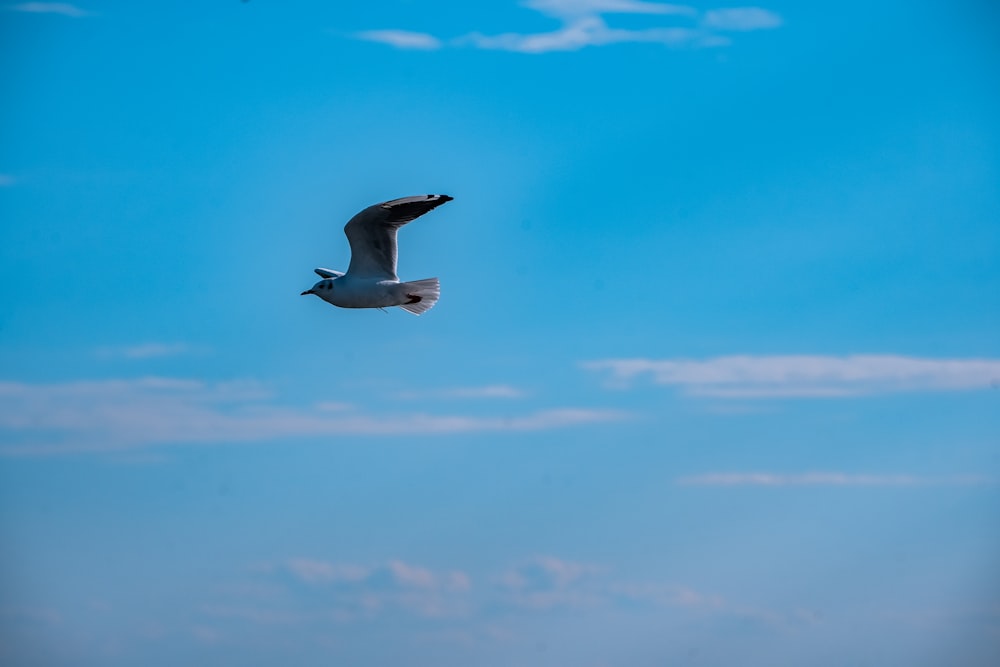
(741, 19)
(402, 39)
(309, 591)
(393, 574)
(546, 582)
(579, 33)
(146, 350)
(825, 479)
(63, 8)
(583, 25)
(570, 8)
(486, 391)
(544, 572)
(320, 572)
(329, 591)
(115, 415)
(805, 376)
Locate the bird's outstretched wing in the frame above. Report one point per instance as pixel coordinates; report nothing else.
(328, 273)
(372, 234)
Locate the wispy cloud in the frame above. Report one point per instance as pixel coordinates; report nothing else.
(579, 33)
(6, 180)
(804, 376)
(393, 574)
(402, 39)
(486, 391)
(827, 479)
(62, 8)
(546, 582)
(583, 24)
(570, 8)
(145, 350)
(115, 415)
(310, 589)
(741, 19)
(315, 591)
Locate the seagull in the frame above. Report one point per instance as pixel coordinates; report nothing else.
(371, 280)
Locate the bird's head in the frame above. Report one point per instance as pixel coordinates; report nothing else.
(319, 288)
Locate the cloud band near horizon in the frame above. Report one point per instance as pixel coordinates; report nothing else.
(124, 414)
(802, 376)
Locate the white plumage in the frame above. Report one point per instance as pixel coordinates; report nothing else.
(371, 280)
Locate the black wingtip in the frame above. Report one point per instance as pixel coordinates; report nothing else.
(444, 198)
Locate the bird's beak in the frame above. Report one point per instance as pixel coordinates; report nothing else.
(308, 291)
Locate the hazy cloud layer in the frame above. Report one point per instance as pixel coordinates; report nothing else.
(741, 19)
(402, 39)
(305, 591)
(803, 376)
(583, 24)
(826, 479)
(62, 8)
(145, 350)
(571, 8)
(485, 391)
(109, 415)
(6, 180)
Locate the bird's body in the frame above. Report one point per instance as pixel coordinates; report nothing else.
(371, 280)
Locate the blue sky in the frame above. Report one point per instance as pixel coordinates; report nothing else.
(712, 381)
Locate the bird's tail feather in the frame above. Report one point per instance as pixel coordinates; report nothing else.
(423, 295)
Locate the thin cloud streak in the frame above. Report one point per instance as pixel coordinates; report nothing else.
(61, 8)
(580, 33)
(309, 590)
(827, 479)
(305, 590)
(145, 350)
(583, 25)
(741, 19)
(571, 8)
(402, 39)
(803, 376)
(116, 415)
(486, 391)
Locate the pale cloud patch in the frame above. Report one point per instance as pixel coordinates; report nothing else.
(583, 25)
(145, 350)
(206, 634)
(741, 19)
(803, 376)
(6, 180)
(322, 572)
(704, 604)
(564, 8)
(305, 591)
(402, 39)
(121, 415)
(827, 479)
(393, 574)
(546, 582)
(316, 590)
(62, 8)
(485, 391)
(579, 33)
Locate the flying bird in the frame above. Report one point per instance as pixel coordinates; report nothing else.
(371, 280)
